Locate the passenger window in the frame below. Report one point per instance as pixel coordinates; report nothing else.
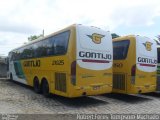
(50, 46)
(61, 43)
(55, 45)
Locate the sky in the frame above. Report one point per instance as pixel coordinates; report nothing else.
(20, 19)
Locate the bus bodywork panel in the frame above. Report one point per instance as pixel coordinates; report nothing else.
(136, 72)
(158, 68)
(68, 75)
(93, 61)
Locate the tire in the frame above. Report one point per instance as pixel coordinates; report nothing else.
(36, 86)
(11, 77)
(45, 88)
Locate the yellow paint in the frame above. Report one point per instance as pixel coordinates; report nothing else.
(148, 46)
(144, 81)
(96, 38)
(91, 82)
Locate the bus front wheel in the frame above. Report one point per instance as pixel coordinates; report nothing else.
(45, 88)
(36, 85)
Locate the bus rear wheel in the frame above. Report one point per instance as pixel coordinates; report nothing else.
(45, 88)
(36, 85)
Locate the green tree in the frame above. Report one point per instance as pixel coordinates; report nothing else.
(114, 35)
(34, 37)
(157, 39)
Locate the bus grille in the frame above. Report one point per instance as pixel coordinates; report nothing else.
(60, 82)
(119, 81)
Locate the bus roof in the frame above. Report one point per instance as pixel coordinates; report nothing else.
(47, 36)
(127, 36)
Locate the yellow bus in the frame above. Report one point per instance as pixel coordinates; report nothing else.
(72, 62)
(134, 64)
(158, 68)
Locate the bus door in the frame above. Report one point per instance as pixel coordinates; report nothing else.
(18, 69)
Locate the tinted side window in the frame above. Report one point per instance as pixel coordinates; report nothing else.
(120, 49)
(43, 48)
(27, 52)
(61, 43)
(55, 45)
(50, 46)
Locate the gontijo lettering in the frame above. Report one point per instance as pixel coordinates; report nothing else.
(32, 63)
(95, 55)
(147, 60)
